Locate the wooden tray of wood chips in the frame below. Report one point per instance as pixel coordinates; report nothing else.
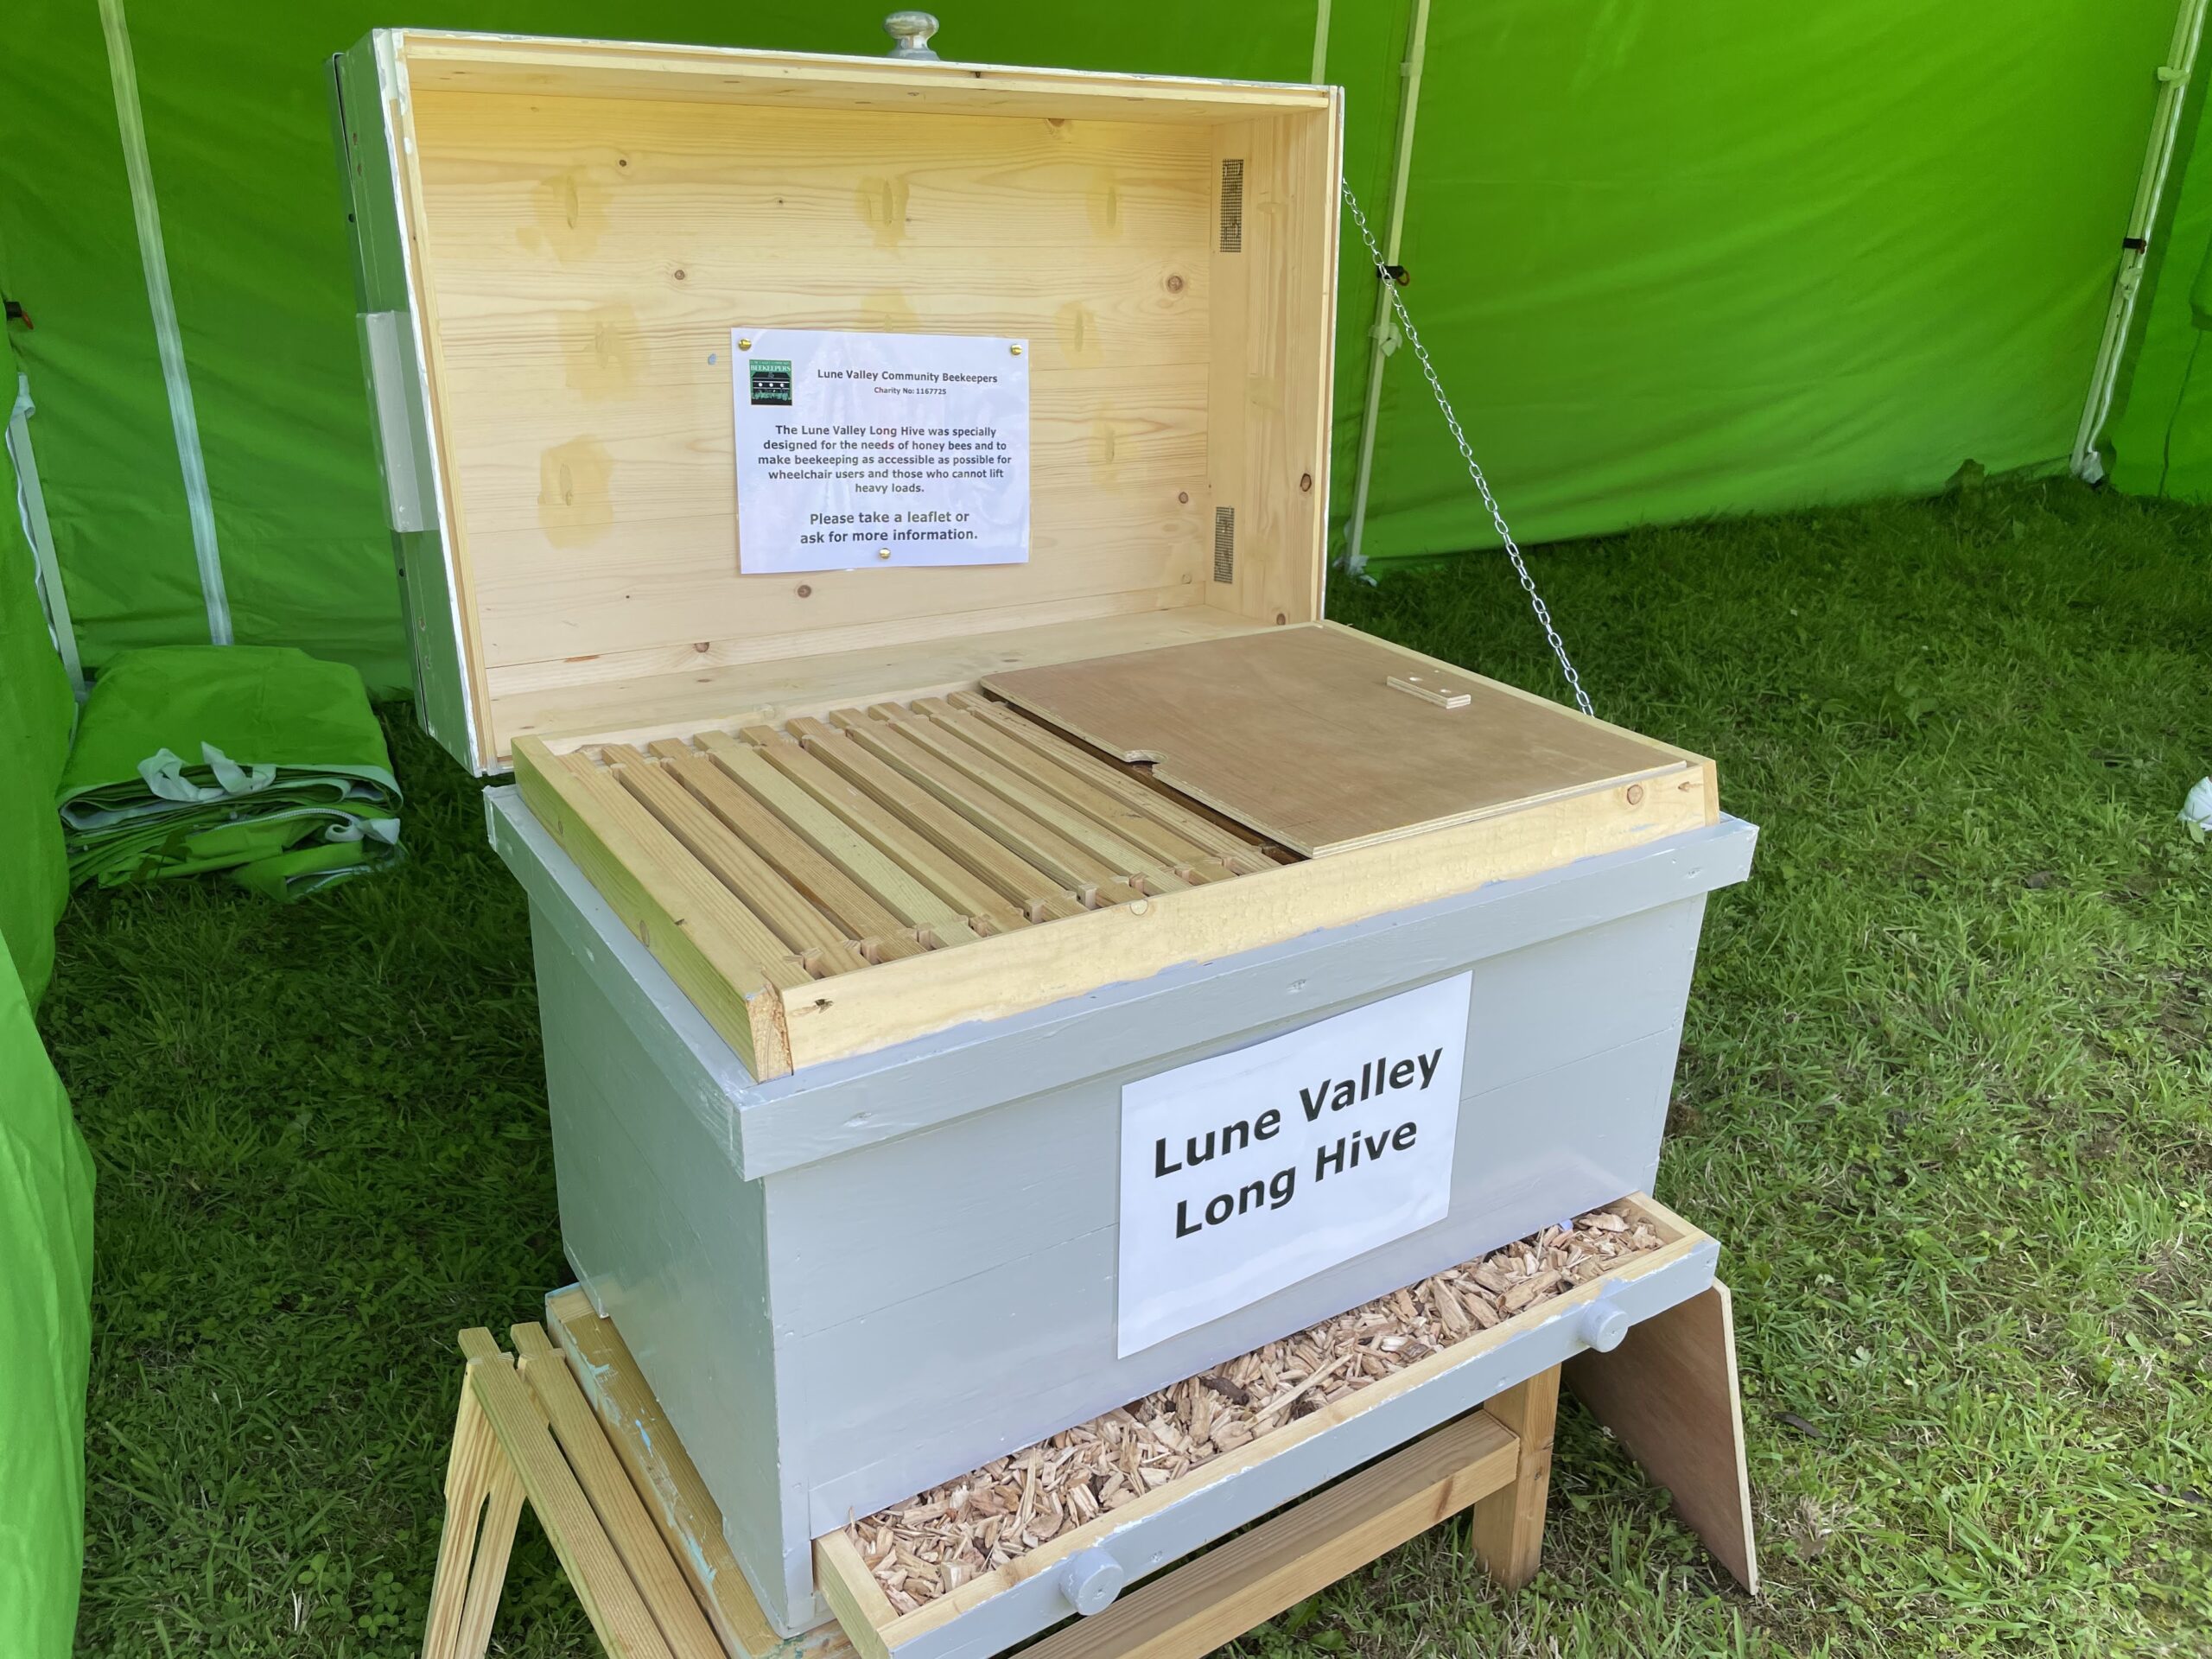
(936, 1541)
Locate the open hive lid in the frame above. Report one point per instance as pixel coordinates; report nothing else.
(785, 781)
(572, 231)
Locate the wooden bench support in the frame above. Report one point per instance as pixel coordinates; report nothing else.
(1669, 1395)
(1508, 1526)
(641, 1541)
(528, 1435)
(1302, 1550)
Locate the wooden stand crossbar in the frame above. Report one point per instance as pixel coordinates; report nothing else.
(641, 1541)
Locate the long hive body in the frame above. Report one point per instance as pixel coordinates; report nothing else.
(859, 898)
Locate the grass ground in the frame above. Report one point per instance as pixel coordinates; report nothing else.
(1946, 1096)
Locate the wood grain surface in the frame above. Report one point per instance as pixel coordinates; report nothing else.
(1299, 734)
(1669, 1393)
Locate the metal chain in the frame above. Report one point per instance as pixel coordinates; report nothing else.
(1466, 454)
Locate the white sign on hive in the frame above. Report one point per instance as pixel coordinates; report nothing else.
(1246, 1172)
(857, 450)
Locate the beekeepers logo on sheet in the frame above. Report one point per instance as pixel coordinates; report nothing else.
(770, 380)
(1247, 1172)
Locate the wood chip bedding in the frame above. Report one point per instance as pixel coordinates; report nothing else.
(936, 1541)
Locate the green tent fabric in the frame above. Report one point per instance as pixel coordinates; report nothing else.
(46, 1268)
(260, 762)
(236, 103)
(1672, 259)
(35, 712)
(1679, 260)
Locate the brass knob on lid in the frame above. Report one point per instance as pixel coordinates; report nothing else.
(912, 29)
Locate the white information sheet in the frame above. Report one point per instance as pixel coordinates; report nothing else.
(860, 450)
(1248, 1172)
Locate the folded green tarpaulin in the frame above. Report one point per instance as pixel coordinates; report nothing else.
(260, 762)
(45, 1269)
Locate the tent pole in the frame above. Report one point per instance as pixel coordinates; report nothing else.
(153, 254)
(1383, 338)
(2174, 76)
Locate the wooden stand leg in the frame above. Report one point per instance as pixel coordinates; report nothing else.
(1669, 1395)
(525, 1433)
(489, 1574)
(504, 1454)
(480, 1488)
(1507, 1527)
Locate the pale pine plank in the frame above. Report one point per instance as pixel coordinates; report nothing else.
(1300, 1552)
(793, 917)
(822, 828)
(949, 893)
(651, 1569)
(952, 834)
(985, 813)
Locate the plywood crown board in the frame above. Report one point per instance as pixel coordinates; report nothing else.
(1307, 736)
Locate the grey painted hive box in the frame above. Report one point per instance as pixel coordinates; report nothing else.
(978, 994)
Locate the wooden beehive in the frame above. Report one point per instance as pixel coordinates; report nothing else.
(576, 226)
(860, 895)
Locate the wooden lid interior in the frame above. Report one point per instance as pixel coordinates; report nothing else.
(590, 222)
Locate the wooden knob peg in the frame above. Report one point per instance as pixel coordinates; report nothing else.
(1604, 1327)
(1092, 1580)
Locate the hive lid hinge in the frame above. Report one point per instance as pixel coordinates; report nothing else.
(1232, 205)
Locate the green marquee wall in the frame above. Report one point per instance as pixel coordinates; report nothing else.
(1735, 256)
(1673, 259)
(36, 712)
(46, 1175)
